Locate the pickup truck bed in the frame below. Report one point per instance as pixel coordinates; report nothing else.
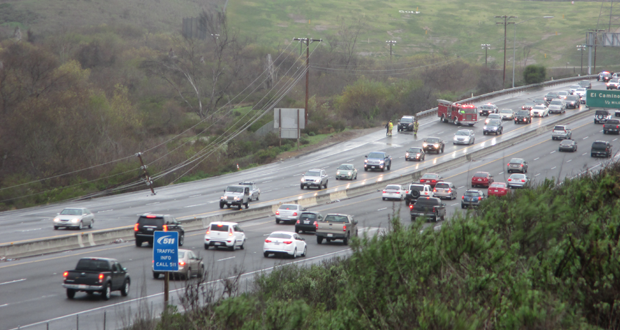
(430, 207)
(100, 275)
(336, 226)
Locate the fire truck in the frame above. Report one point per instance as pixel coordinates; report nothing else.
(456, 113)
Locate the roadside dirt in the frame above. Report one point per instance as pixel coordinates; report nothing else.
(333, 139)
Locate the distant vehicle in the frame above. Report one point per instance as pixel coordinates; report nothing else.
(528, 105)
(346, 171)
(74, 218)
(498, 189)
(472, 198)
(585, 84)
(377, 160)
(336, 226)
(482, 179)
(430, 207)
(393, 191)
(493, 126)
(572, 89)
(517, 180)
(417, 190)
(456, 113)
(581, 92)
(492, 116)
(601, 149)
(487, 109)
(561, 132)
(517, 165)
(617, 113)
(149, 223)
(285, 243)
(612, 84)
(604, 76)
(601, 116)
(563, 94)
(539, 101)
(550, 96)
(236, 195)
(307, 221)
(572, 101)
(433, 144)
(314, 178)
(557, 106)
(507, 114)
(189, 265)
(445, 190)
(415, 153)
(464, 136)
(405, 123)
(584, 98)
(540, 111)
(523, 116)
(224, 234)
(611, 126)
(431, 179)
(568, 145)
(97, 275)
(288, 213)
(254, 191)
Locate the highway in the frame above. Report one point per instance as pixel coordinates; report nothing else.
(34, 284)
(278, 181)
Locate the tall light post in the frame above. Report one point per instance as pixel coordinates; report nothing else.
(514, 47)
(391, 42)
(581, 48)
(505, 23)
(486, 48)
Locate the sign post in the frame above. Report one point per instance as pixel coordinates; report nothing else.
(166, 256)
(603, 99)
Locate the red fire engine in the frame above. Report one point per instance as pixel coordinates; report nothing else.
(456, 113)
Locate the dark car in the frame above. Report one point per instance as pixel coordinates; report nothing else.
(307, 222)
(493, 126)
(431, 179)
(585, 84)
(517, 165)
(539, 101)
(572, 102)
(601, 149)
(487, 109)
(97, 275)
(523, 116)
(601, 116)
(568, 145)
(604, 76)
(377, 160)
(611, 126)
(550, 96)
(528, 105)
(482, 179)
(149, 223)
(405, 124)
(415, 153)
(429, 207)
(433, 144)
(472, 198)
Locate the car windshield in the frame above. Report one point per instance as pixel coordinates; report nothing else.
(571, 98)
(432, 140)
(552, 94)
(486, 107)
(563, 93)
(599, 146)
(429, 176)
(471, 193)
(516, 161)
(336, 218)
(288, 207)
(95, 265)
(219, 227)
(376, 155)
(498, 185)
(554, 102)
(523, 113)
(406, 120)
(280, 235)
(581, 90)
(71, 212)
(494, 122)
(181, 254)
(505, 111)
(481, 175)
(313, 173)
(494, 115)
(539, 107)
(442, 185)
(309, 216)
(462, 133)
(559, 128)
(517, 176)
(392, 187)
(345, 167)
(567, 142)
(416, 150)
(234, 189)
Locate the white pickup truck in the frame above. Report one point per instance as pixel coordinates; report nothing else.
(336, 226)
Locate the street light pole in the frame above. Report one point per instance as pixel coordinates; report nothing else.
(391, 42)
(486, 48)
(506, 18)
(514, 48)
(581, 48)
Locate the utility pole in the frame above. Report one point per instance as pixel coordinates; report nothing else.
(505, 23)
(595, 44)
(581, 48)
(391, 42)
(308, 41)
(149, 182)
(486, 48)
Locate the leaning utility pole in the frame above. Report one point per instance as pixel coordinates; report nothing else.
(308, 41)
(149, 182)
(506, 18)
(581, 48)
(486, 48)
(391, 42)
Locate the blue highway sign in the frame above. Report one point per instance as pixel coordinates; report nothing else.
(166, 251)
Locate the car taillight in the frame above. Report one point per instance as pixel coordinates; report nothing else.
(521, 165)
(181, 263)
(433, 209)
(295, 213)
(230, 233)
(208, 232)
(344, 228)
(297, 222)
(277, 212)
(411, 206)
(65, 274)
(479, 198)
(384, 191)
(434, 190)
(522, 180)
(165, 227)
(398, 192)
(316, 225)
(508, 164)
(288, 242)
(267, 241)
(135, 227)
(509, 179)
(449, 190)
(101, 277)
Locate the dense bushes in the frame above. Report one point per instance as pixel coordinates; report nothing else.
(545, 258)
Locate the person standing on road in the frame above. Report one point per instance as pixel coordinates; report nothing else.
(387, 127)
(390, 128)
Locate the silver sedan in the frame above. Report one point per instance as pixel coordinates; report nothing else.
(254, 191)
(74, 217)
(464, 136)
(517, 180)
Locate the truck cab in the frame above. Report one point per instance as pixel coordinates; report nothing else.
(336, 226)
(457, 113)
(97, 275)
(236, 195)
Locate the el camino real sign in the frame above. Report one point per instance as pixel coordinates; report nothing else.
(603, 99)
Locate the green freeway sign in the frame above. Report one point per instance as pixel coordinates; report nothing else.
(603, 99)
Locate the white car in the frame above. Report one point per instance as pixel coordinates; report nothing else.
(464, 136)
(74, 217)
(581, 92)
(493, 116)
(573, 88)
(517, 180)
(540, 111)
(393, 191)
(562, 95)
(507, 114)
(285, 243)
(224, 234)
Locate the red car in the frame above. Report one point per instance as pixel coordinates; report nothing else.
(430, 179)
(483, 179)
(498, 189)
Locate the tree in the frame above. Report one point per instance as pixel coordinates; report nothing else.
(534, 74)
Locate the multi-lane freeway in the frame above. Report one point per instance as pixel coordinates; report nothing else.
(30, 290)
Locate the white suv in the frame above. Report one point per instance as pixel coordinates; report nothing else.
(225, 234)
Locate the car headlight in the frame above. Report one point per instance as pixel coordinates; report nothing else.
(237, 198)
(317, 180)
(56, 219)
(223, 197)
(406, 154)
(424, 144)
(436, 145)
(381, 161)
(485, 127)
(365, 160)
(75, 220)
(302, 179)
(455, 138)
(418, 155)
(337, 172)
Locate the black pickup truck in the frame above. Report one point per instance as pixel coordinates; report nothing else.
(429, 207)
(101, 275)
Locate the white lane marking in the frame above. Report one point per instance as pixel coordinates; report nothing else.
(570, 160)
(537, 158)
(105, 211)
(585, 153)
(601, 131)
(27, 230)
(267, 181)
(196, 205)
(215, 201)
(153, 203)
(614, 139)
(381, 209)
(500, 173)
(537, 174)
(4, 305)
(401, 157)
(585, 138)
(266, 191)
(553, 167)
(350, 160)
(552, 152)
(461, 187)
(455, 204)
(195, 195)
(227, 258)
(14, 281)
(438, 133)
